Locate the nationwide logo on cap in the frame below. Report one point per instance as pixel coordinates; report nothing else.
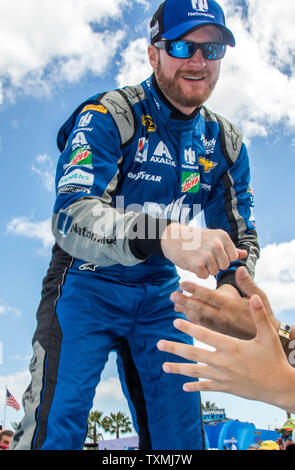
(200, 5)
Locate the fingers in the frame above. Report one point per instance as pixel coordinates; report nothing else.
(186, 351)
(263, 325)
(203, 386)
(190, 370)
(208, 296)
(196, 310)
(245, 282)
(211, 338)
(242, 254)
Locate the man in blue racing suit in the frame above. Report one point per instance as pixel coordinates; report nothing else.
(136, 166)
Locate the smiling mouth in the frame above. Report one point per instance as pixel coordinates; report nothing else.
(192, 78)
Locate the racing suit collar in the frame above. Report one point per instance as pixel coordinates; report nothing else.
(171, 110)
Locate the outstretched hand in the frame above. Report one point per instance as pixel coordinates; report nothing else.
(215, 309)
(255, 369)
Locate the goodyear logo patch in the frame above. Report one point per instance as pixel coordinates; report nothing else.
(95, 107)
(147, 121)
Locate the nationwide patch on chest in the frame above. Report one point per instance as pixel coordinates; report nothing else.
(190, 182)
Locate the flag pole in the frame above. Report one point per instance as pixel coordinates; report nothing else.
(4, 421)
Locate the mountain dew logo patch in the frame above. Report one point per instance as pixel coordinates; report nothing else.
(190, 182)
(81, 157)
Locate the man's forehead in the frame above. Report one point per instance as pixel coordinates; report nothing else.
(209, 32)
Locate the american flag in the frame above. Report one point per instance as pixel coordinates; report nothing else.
(11, 401)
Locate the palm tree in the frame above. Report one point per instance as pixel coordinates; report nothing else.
(94, 419)
(116, 423)
(208, 405)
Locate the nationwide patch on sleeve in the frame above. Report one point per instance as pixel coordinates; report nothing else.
(95, 107)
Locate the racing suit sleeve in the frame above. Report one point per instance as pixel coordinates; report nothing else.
(230, 208)
(85, 223)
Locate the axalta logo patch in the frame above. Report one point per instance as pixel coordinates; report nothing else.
(95, 107)
(81, 157)
(162, 155)
(148, 123)
(190, 182)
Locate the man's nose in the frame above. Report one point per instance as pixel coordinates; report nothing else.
(197, 59)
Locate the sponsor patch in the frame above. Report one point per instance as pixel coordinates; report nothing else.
(190, 182)
(87, 233)
(142, 175)
(81, 157)
(95, 107)
(148, 123)
(79, 141)
(73, 189)
(77, 177)
(207, 164)
(142, 149)
(85, 120)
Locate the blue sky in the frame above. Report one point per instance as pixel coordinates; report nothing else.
(53, 55)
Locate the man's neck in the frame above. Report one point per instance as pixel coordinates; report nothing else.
(177, 112)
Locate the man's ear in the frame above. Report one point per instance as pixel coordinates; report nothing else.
(153, 54)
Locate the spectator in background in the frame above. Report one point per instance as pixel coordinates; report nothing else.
(253, 446)
(269, 445)
(5, 439)
(286, 432)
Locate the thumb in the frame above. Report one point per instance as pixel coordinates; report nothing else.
(242, 253)
(245, 282)
(260, 318)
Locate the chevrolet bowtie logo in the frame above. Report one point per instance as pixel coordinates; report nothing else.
(207, 164)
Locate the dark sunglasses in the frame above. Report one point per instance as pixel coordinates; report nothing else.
(186, 49)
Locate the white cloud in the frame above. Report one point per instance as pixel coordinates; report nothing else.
(275, 274)
(25, 227)
(44, 167)
(135, 66)
(7, 309)
(16, 384)
(45, 42)
(109, 389)
(257, 83)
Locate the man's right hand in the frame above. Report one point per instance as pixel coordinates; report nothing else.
(202, 251)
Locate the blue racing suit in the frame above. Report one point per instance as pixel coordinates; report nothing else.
(130, 164)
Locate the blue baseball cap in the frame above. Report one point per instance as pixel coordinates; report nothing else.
(175, 18)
